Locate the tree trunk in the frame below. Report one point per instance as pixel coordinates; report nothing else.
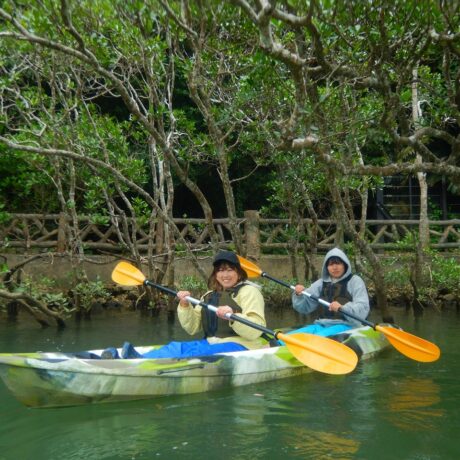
(416, 277)
(363, 246)
(252, 231)
(424, 234)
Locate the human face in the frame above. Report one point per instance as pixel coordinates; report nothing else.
(226, 276)
(335, 268)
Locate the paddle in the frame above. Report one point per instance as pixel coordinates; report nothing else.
(409, 345)
(318, 353)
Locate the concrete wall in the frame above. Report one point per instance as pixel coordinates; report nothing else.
(60, 269)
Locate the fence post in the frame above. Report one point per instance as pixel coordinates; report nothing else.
(252, 234)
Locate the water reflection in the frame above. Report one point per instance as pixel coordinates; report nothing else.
(411, 404)
(321, 445)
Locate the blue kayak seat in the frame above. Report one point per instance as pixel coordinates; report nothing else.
(192, 348)
(320, 329)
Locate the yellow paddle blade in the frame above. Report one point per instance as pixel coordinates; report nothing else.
(410, 345)
(249, 267)
(320, 353)
(127, 275)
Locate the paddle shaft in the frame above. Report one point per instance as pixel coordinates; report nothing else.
(229, 316)
(321, 301)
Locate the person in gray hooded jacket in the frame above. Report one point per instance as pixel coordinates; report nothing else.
(338, 286)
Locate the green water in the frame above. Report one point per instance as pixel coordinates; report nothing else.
(389, 407)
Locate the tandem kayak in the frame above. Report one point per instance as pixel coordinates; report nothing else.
(51, 379)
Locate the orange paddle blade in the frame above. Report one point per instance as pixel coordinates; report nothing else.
(320, 353)
(127, 275)
(249, 267)
(410, 345)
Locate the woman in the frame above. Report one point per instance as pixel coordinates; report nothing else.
(341, 288)
(232, 294)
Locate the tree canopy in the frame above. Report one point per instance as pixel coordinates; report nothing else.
(226, 88)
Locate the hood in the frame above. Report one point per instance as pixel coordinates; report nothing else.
(335, 252)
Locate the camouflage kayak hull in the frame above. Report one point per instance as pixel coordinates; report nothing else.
(58, 379)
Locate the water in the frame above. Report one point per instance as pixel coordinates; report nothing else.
(389, 407)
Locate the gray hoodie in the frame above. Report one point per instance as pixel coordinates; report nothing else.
(359, 306)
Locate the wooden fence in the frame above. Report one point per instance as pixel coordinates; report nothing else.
(35, 232)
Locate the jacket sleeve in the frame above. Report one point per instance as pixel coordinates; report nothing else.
(252, 304)
(304, 304)
(190, 318)
(359, 306)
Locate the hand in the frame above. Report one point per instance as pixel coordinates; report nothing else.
(299, 288)
(223, 311)
(181, 295)
(334, 306)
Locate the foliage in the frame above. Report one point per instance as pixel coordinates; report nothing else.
(275, 295)
(56, 300)
(196, 286)
(397, 273)
(89, 292)
(4, 216)
(445, 272)
(44, 290)
(253, 94)
(441, 273)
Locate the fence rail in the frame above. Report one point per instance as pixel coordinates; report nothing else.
(38, 232)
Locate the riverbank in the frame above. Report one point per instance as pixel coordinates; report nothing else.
(53, 279)
(61, 269)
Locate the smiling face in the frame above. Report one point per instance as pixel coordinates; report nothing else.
(335, 267)
(226, 276)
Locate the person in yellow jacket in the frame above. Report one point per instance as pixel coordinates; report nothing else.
(232, 294)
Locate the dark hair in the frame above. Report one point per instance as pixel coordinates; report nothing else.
(214, 285)
(336, 260)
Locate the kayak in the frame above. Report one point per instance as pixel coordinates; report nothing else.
(53, 379)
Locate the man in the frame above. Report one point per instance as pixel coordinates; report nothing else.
(344, 291)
